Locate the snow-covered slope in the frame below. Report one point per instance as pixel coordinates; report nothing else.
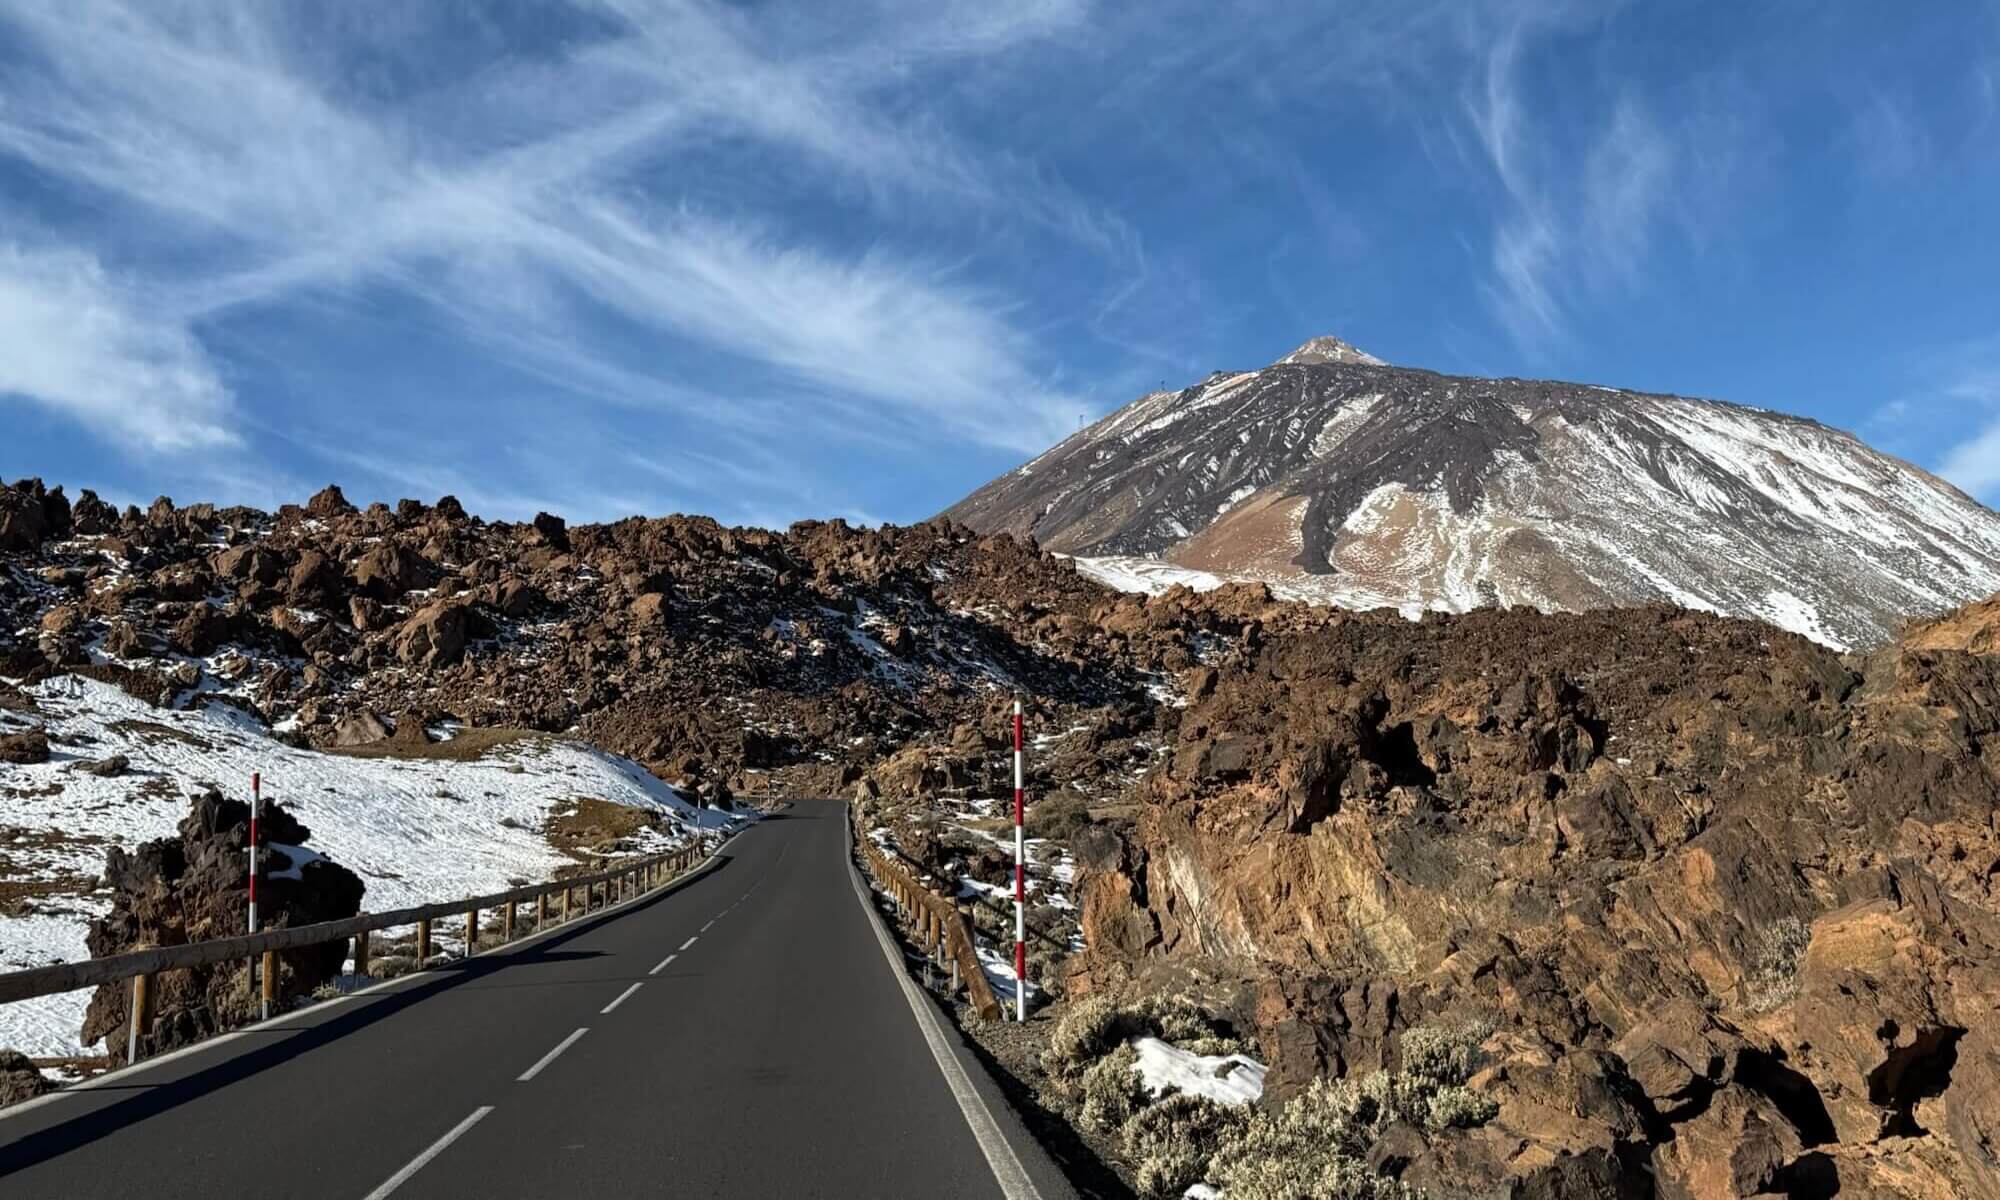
(416, 830)
(1346, 481)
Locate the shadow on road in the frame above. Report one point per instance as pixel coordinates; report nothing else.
(148, 1095)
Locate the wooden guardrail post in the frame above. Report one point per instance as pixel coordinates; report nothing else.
(569, 892)
(472, 933)
(423, 942)
(507, 921)
(141, 1023)
(270, 982)
(541, 911)
(361, 953)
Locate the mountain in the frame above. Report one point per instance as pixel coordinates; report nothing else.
(1344, 480)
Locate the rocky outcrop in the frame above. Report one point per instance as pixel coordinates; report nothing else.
(1731, 898)
(192, 887)
(19, 1080)
(27, 746)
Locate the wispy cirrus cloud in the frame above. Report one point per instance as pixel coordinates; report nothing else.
(529, 196)
(1582, 208)
(77, 339)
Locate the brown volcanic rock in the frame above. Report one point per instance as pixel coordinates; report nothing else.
(435, 636)
(1735, 901)
(19, 1080)
(192, 887)
(28, 746)
(386, 572)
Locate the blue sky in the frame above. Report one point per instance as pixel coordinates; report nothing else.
(778, 260)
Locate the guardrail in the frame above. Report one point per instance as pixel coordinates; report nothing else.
(938, 925)
(627, 880)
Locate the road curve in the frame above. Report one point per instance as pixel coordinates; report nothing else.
(740, 1036)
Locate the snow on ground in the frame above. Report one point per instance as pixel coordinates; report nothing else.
(1787, 611)
(417, 831)
(1000, 975)
(1147, 575)
(1164, 1065)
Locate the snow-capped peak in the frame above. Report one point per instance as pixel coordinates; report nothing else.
(1331, 349)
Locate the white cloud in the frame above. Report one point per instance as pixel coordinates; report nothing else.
(508, 198)
(1583, 205)
(79, 341)
(1974, 463)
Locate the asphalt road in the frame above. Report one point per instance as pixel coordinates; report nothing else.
(743, 1035)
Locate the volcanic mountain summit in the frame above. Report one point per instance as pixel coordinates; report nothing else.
(1345, 480)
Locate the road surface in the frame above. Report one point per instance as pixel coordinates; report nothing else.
(744, 1035)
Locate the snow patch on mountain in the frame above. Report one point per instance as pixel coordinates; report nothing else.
(416, 830)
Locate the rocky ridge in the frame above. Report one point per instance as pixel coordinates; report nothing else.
(718, 657)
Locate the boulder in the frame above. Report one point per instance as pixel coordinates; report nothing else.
(328, 503)
(650, 609)
(314, 581)
(515, 597)
(62, 620)
(549, 530)
(359, 729)
(191, 887)
(26, 747)
(201, 631)
(92, 516)
(366, 614)
(249, 563)
(435, 635)
(1737, 1147)
(20, 1080)
(29, 514)
(388, 571)
(107, 768)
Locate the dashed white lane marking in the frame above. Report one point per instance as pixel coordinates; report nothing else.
(550, 1057)
(705, 928)
(622, 997)
(663, 964)
(691, 941)
(417, 1164)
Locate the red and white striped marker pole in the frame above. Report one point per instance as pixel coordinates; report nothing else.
(256, 802)
(1020, 880)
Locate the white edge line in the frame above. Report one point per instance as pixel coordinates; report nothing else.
(691, 941)
(1013, 1178)
(119, 1076)
(622, 997)
(663, 964)
(550, 1057)
(417, 1164)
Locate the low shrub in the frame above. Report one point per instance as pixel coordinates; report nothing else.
(1772, 980)
(1086, 1033)
(1317, 1144)
(1111, 1090)
(1058, 818)
(1172, 1141)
